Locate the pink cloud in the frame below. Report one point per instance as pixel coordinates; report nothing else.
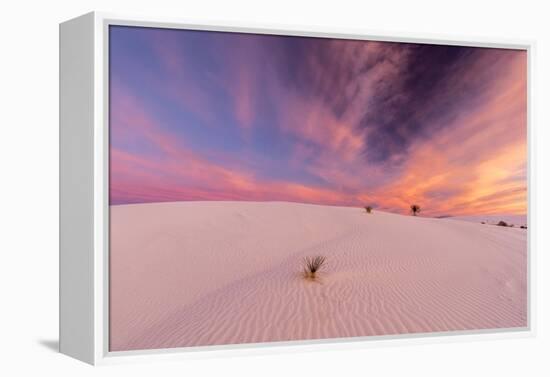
(474, 164)
(178, 173)
(477, 164)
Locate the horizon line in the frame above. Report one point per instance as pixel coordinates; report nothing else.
(316, 204)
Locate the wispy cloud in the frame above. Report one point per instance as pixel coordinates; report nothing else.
(210, 116)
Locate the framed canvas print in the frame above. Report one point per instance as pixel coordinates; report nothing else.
(225, 188)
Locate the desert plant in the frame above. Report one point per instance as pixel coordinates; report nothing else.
(415, 209)
(523, 227)
(368, 209)
(312, 265)
(502, 223)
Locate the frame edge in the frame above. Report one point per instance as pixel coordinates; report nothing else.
(76, 190)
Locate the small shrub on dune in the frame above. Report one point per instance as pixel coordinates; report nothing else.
(523, 227)
(502, 223)
(368, 209)
(415, 209)
(312, 265)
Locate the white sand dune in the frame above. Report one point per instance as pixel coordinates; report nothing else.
(516, 220)
(205, 273)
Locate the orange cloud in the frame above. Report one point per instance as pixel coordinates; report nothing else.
(477, 165)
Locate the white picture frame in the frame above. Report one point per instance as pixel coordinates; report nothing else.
(84, 210)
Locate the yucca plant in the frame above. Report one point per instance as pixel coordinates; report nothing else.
(312, 265)
(368, 209)
(415, 209)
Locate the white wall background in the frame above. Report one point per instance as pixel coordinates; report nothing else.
(29, 185)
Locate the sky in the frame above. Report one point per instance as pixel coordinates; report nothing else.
(200, 115)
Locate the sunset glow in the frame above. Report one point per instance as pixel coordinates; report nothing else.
(198, 115)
